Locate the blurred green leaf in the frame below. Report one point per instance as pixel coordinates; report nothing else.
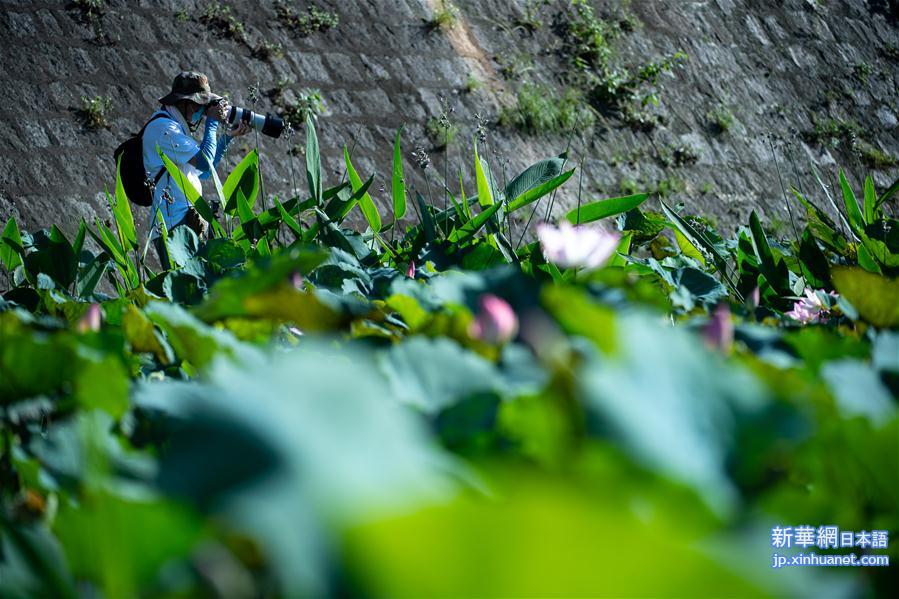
(671, 403)
(32, 562)
(189, 337)
(123, 543)
(298, 449)
(874, 296)
(540, 536)
(433, 374)
(578, 315)
(858, 390)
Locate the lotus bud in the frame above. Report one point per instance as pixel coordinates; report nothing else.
(496, 322)
(91, 319)
(719, 332)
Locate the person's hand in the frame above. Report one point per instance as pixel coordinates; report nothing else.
(242, 128)
(218, 111)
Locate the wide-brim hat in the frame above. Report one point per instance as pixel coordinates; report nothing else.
(192, 86)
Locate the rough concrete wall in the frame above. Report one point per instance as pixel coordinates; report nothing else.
(381, 67)
(776, 64)
(378, 69)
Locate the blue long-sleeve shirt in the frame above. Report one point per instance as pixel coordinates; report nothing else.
(173, 138)
(211, 149)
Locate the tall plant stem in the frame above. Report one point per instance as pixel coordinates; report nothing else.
(261, 179)
(508, 220)
(580, 186)
(415, 207)
(431, 200)
(552, 199)
(445, 175)
(841, 219)
(293, 179)
(537, 205)
(783, 189)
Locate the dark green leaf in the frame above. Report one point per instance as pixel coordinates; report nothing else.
(469, 229)
(856, 219)
(813, 262)
(822, 226)
(11, 250)
(313, 162)
(426, 217)
(535, 175)
(535, 193)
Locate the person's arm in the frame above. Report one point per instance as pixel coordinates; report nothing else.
(204, 159)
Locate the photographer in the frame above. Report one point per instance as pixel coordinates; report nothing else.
(170, 128)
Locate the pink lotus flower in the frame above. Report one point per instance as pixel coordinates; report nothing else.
(496, 322)
(410, 272)
(719, 332)
(581, 246)
(811, 308)
(91, 319)
(297, 280)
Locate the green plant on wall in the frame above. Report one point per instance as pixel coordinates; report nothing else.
(588, 47)
(220, 18)
(537, 109)
(445, 15)
(314, 20)
(94, 112)
(441, 132)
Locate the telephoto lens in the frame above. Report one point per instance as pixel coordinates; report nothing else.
(270, 124)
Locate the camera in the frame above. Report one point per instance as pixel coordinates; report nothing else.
(270, 124)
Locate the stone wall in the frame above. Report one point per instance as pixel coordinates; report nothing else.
(774, 64)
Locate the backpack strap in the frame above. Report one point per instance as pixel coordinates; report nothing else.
(159, 115)
(153, 118)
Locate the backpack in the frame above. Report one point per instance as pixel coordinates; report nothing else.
(134, 177)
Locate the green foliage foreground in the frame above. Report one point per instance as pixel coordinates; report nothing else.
(338, 413)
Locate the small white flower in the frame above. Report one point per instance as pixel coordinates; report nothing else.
(582, 246)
